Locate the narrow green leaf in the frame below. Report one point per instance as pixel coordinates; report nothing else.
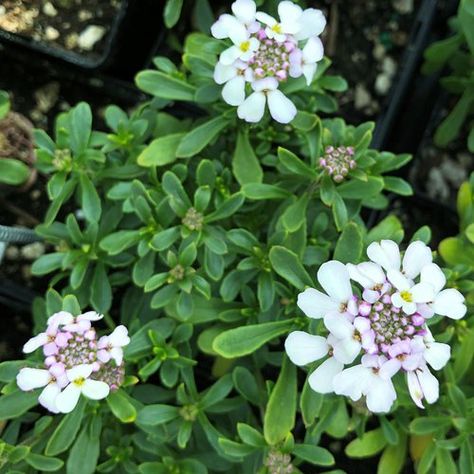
(245, 164)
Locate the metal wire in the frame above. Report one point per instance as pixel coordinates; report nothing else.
(14, 235)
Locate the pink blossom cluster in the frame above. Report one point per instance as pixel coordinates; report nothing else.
(386, 326)
(338, 161)
(75, 361)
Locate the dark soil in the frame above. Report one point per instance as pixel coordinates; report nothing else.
(61, 23)
(366, 40)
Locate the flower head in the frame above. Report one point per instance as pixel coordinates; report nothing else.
(386, 326)
(264, 53)
(75, 361)
(337, 162)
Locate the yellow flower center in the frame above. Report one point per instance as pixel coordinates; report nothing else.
(245, 46)
(406, 296)
(80, 381)
(277, 28)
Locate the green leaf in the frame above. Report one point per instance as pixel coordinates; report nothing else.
(262, 192)
(217, 392)
(288, 266)
(80, 127)
(47, 263)
(429, 424)
(157, 414)
(444, 462)
(339, 212)
(198, 138)
(356, 189)
(66, 432)
(9, 370)
(4, 104)
(44, 463)
(393, 458)
(350, 244)
(121, 407)
(230, 206)
(295, 214)
(293, 164)
(166, 87)
(90, 199)
(314, 454)
(398, 186)
(85, 452)
(16, 403)
(13, 171)
(172, 12)
(280, 413)
(370, 444)
(464, 355)
(311, 403)
(119, 241)
(161, 151)
(250, 435)
(101, 291)
(245, 164)
(245, 340)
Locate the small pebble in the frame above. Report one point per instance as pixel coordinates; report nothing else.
(71, 40)
(382, 83)
(90, 36)
(12, 252)
(389, 66)
(3, 10)
(49, 10)
(362, 97)
(379, 51)
(35, 194)
(403, 6)
(51, 33)
(32, 251)
(85, 15)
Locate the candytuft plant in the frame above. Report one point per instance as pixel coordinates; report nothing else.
(195, 261)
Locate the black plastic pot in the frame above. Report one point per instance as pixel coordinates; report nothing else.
(68, 56)
(418, 41)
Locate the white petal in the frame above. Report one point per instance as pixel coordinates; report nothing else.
(60, 318)
(415, 389)
(234, 91)
(281, 108)
(265, 18)
(220, 29)
(312, 23)
(450, 303)
(429, 384)
(386, 254)
(288, 11)
(390, 368)
(315, 304)
(37, 341)
(296, 65)
(48, 397)
(433, 275)
(67, 400)
(422, 293)
(398, 280)
(313, 50)
(95, 389)
(321, 380)
(266, 84)
(303, 348)
(252, 108)
(223, 73)
(362, 324)
(408, 308)
(397, 300)
(338, 325)
(334, 278)
(437, 354)
(381, 395)
(346, 350)
(78, 372)
(356, 275)
(90, 316)
(373, 272)
(29, 379)
(351, 382)
(417, 255)
(119, 336)
(229, 55)
(117, 354)
(309, 70)
(244, 10)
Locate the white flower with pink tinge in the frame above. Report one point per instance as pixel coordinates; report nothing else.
(264, 54)
(74, 363)
(80, 383)
(111, 346)
(388, 326)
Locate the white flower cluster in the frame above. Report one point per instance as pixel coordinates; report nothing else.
(386, 326)
(76, 362)
(264, 53)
